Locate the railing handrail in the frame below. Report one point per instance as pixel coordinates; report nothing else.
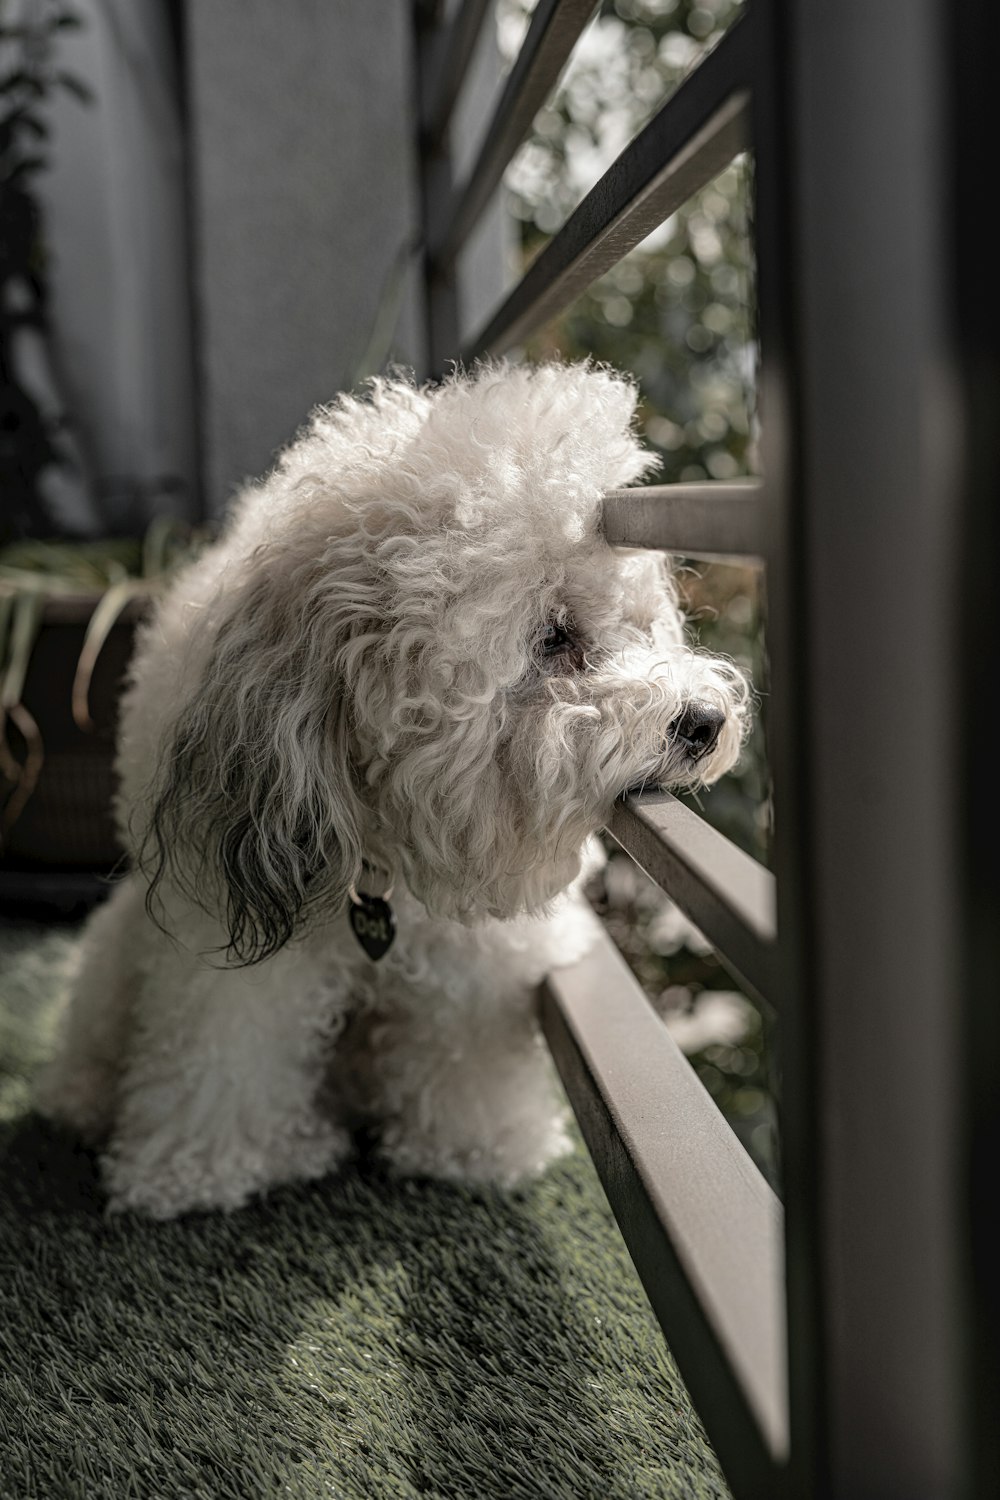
(668, 1139)
(553, 32)
(693, 137)
(728, 895)
(877, 374)
(720, 519)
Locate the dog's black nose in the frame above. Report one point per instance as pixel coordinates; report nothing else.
(698, 728)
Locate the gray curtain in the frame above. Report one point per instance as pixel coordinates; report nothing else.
(120, 361)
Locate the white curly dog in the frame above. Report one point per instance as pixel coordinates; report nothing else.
(411, 659)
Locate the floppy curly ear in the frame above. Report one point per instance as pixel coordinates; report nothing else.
(254, 814)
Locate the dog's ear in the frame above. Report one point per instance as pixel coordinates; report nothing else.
(254, 813)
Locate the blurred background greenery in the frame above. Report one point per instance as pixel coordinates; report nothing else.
(679, 314)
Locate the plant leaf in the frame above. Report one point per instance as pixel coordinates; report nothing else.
(27, 621)
(98, 629)
(6, 610)
(75, 86)
(156, 542)
(8, 765)
(28, 773)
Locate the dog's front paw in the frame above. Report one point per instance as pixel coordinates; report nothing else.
(163, 1186)
(513, 1155)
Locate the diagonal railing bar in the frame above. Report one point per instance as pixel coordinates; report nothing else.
(555, 27)
(445, 69)
(703, 1227)
(694, 137)
(712, 519)
(726, 894)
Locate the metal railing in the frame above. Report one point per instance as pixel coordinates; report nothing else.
(835, 1347)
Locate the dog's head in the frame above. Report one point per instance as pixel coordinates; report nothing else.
(429, 658)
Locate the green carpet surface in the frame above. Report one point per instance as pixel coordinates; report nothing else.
(356, 1338)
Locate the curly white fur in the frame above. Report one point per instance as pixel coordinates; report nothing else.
(412, 649)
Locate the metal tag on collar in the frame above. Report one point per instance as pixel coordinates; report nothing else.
(373, 922)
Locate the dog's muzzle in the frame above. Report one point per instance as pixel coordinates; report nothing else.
(697, 729)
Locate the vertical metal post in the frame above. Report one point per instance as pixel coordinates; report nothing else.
(787, 746)
(441, 311)
(862, 465)
(973, 49)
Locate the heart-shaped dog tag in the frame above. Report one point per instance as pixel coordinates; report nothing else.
(373, 924)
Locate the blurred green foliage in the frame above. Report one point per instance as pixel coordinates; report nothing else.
(678, 312)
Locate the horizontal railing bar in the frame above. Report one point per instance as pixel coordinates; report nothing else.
(694, 137)
(712, 519)
(552, 35)
(704, 1229)
(451, 50)
(726, 894)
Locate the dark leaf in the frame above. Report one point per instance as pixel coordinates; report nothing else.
(31, 122)
(26, 164)
(75, 86)
(21, 80)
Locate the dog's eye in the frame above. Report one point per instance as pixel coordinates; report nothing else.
(555, 638)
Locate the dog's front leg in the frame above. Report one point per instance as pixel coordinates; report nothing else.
(218, 1095)
(78, 1087)
(465, 1087)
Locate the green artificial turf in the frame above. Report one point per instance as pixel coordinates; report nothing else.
(356, 1338)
